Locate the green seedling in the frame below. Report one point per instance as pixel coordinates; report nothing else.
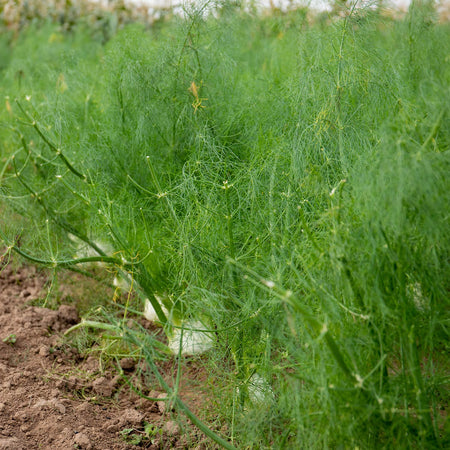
(11, 339)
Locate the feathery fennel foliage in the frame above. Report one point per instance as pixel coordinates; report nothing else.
(281, 182)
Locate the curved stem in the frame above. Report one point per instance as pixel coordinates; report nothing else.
(52, 146)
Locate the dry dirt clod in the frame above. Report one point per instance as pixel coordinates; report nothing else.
(72, 383)
(83, 408)
(26, 293)
(102, 386)
(115, 426)
(91, 364)
(171, 428)
(50, 404)
(162, 405)
(132, 417)
(82, 441)
(127, 363)
(50, 320)
(10, 444)
(44, 351)
(68, 314)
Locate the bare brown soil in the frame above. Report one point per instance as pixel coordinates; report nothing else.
(52, 397)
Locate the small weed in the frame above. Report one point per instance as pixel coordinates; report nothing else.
(11, 339)
(148, 435)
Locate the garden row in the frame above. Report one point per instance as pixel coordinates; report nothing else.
(272, 188)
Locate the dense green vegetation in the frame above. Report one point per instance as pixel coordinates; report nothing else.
(282, 180)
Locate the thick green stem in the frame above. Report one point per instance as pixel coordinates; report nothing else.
(62, 263)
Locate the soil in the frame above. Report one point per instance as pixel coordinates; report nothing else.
(53, 397)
